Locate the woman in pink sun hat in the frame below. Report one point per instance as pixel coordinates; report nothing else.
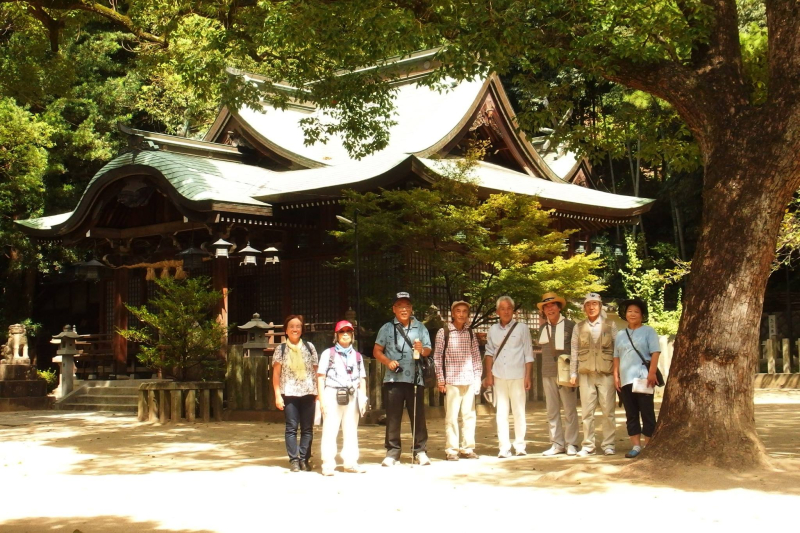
(342, 386)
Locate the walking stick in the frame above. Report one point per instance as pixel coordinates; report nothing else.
(414, 418)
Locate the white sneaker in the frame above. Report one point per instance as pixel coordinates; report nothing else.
(355, 469)
(572, 450)
(609, 451)
(520, 453)
(504, 454)
(422, 459)
(388, 461)
(553, 450)
(585, 452)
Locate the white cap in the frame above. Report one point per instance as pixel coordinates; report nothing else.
(592, 297)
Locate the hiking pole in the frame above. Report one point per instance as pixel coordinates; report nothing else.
(414, 418)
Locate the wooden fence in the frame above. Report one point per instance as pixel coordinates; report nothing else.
(248, 383)
(776, 356)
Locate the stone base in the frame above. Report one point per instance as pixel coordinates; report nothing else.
(777, 381)
(25, 404)
(17, 372)
(23, 389)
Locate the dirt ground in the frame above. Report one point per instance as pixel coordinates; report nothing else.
(101, 473)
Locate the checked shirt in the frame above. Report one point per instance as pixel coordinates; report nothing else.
(462, 358)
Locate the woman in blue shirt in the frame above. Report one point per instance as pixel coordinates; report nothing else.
(628, 366)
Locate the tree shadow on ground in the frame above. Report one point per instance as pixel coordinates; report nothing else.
(100, 444)
(87, 524)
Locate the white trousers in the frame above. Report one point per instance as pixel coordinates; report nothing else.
(460, 399)
(337, 415)
(555, 398)
(510, 392)
(598, 389)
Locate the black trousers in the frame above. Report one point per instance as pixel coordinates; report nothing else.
(299, 411)
(399, 395)
(637, 404)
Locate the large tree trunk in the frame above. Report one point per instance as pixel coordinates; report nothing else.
(708, 414)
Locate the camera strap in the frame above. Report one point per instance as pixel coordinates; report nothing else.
(399, 327)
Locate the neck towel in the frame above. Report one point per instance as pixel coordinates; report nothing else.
(555, 333)
(296, 360)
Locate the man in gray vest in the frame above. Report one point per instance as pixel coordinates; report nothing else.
(555, 340)
(593, 342)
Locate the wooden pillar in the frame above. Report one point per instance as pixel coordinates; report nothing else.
(120, 319)
(286, 288)
(220, 281)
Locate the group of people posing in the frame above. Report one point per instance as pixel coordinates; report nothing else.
(595, 359)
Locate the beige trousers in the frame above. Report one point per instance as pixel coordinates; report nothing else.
(460, 399)
(555, 398)
(337, 415)
(510, 393)
(598, 389)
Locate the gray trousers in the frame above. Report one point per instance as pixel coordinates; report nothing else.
(598, 389)
(555, 398)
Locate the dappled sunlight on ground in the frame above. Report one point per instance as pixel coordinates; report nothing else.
(96, 472)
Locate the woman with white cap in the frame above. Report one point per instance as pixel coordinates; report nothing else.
(342, 388)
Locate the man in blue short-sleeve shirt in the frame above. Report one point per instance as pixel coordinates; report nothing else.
(393, 350)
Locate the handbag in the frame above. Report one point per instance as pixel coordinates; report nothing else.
(563, 378)
(426, 366)
(645, 363)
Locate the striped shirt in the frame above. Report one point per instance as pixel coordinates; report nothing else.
(463, 359)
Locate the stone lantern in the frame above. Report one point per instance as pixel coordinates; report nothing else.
(258, 332)
(67, 350)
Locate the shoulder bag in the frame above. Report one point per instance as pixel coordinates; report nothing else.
(645, 362)
(428, 369)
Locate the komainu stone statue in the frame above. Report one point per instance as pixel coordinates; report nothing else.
(15, 352)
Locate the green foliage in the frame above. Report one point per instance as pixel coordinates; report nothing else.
(51, 377)
(180, 336)
(476, 248)
(649, 282)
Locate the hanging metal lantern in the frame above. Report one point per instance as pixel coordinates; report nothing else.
(248, 254)
(618, 250)
(192, 258)
(89, 270)
(272, 256)
(598, 249)
(222, 248)
(581, 249)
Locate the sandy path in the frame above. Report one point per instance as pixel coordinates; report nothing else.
(99, 473)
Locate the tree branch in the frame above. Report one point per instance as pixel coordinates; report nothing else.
(52, 25)
(119, 19)
(783, 37)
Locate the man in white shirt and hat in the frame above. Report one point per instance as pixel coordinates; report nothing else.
(593, 342)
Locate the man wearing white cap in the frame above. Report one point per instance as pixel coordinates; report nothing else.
(399, 344)
(593, 342)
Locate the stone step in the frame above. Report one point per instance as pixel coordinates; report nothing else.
(103, 400)
(115, 408)
(112, 391)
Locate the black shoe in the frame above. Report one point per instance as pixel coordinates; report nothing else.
(294, 466)
(305, 465)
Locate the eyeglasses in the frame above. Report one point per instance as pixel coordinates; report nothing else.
(348, 331)
(403, 307)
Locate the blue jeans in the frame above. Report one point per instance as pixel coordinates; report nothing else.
(299, 411)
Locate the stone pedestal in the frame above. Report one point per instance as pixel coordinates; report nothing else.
(21, 388)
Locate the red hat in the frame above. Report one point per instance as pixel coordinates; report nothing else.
(342, 324)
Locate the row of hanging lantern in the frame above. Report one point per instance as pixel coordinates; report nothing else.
(598, 248)
(191, 257)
